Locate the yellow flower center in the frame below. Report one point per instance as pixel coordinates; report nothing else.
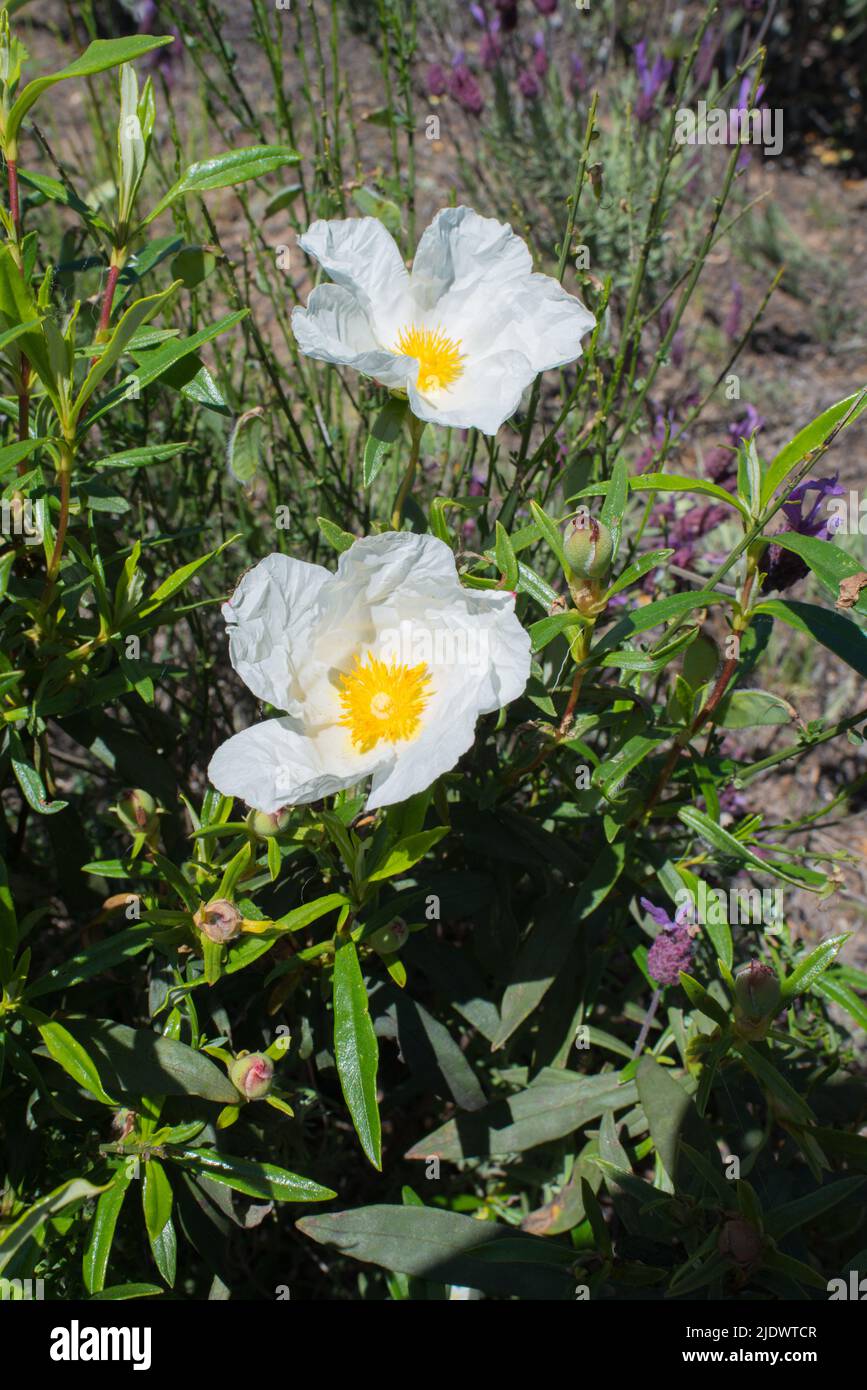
(440, 360)
(383, 700)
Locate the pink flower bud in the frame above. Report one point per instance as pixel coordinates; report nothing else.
(252, 1074)
(219, 921)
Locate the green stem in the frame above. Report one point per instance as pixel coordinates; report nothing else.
(416, 430)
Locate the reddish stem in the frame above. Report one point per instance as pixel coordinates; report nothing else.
(108, 300)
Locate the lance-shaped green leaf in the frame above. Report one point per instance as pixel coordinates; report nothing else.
(99, 55)
(74, 1058)
(448, 1248)
(808, 970)
(810, 437)
(262, 1180)
(356, 1051)
(802, 1210)
(138, 313)
(137, 1062)
(70, 1193)
(830, 564)
(224, 170)
(840, 635)
(406, 853)
(384, 434)
(720, 839)
(102, 1229)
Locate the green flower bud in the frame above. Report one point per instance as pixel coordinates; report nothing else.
(252, 1073)
(266, 824)
(138, 812)
(389, 939)
(588, 547)
(757, 989)
(219, 921)
(757, 1000)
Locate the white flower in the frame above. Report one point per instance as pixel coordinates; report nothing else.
(382, 668)
(463, 334)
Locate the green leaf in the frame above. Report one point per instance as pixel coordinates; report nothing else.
(137, 1062)
(616, 497)
(340, 540)
(99, 55)
(653, 614)
(245, 445)
(385, 432)
(27, 1225)
(157, 1197)
(447, 1248)
(550, 532)
(373, 204)
(544, 953)
(69, 1053)
(837, 990)
(407, 852)
(223, 170)
(506, 559)
(180, 577)
(766, 1073)
(138, 313)
(670, 1115)
(814, 964)
(652, 560)
(262, 1180)
(93, 960)
(810, 437)
(101, 1232)
(125, 1291)
(749, 709)
(668, 482)
(557, 1103)
(356, 1051)
(720, 839)
(804, 1210)
(700, 999)
(829, 563)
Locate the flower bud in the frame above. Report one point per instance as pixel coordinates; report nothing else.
(741, 1242)
(588, 546)
(219, 921)
(252, 1074)
(266, 824)
(757, 999)
(757, 989)
(389, 939)
(138, 811)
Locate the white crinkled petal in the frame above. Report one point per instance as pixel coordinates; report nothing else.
(486, 395)
(335, 327)
(274, 764)
(269, 617)
(535, 312)
(359, 254)
(461, 253)
(487, 665)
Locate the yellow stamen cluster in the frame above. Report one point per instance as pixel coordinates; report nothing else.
(383, 700)
(440, 360)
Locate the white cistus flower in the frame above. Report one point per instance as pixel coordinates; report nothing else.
(463, 333)
(382, 668)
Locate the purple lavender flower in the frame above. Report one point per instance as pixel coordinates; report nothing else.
(436, 80)
(463, 87)
(720, 463)
(540, 57)
(577, 76)
(672, 949)
(545, 6)
(491, 50)
(528, 84)
(784, 566)
(650, 80)
(478, 13)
